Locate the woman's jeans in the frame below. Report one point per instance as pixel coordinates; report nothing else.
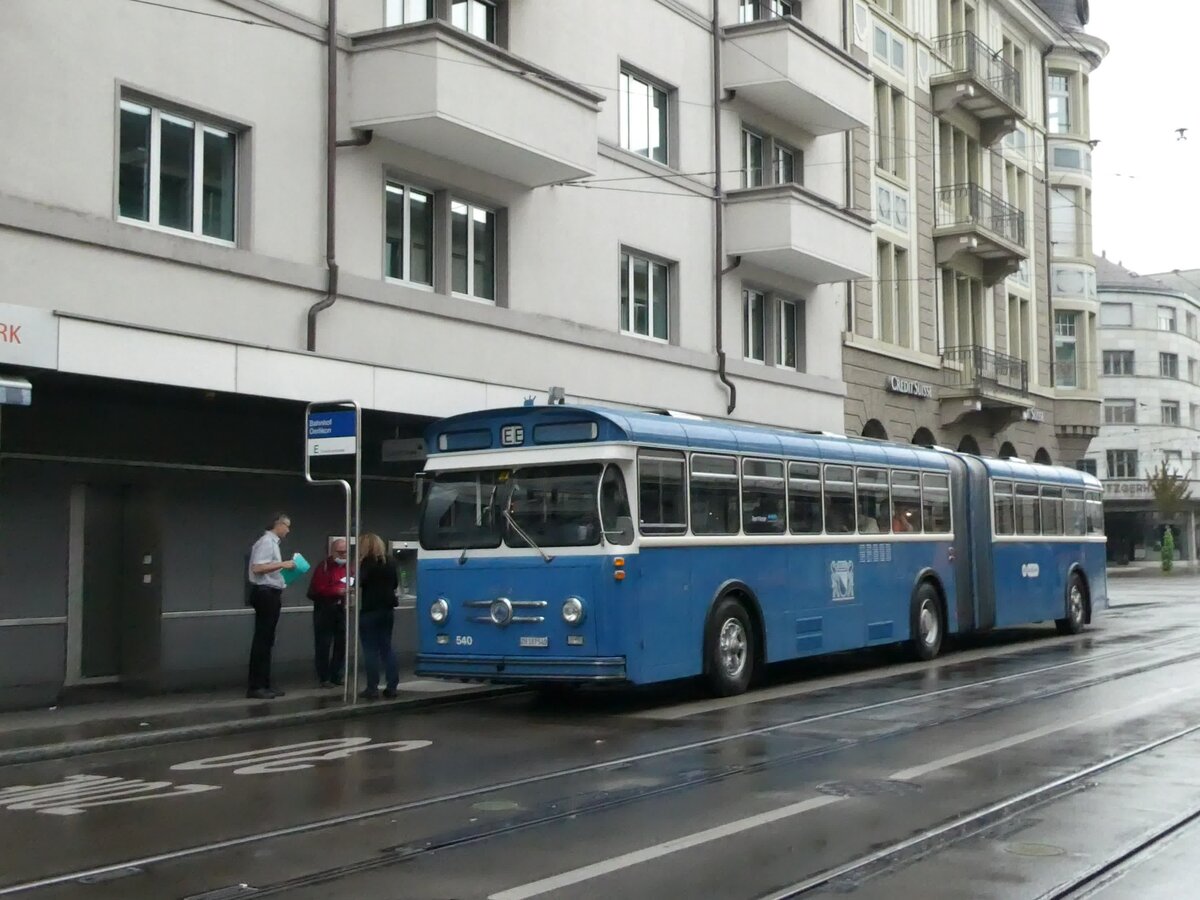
(375, 630)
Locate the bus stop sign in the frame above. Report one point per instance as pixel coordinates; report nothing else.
(332, 433)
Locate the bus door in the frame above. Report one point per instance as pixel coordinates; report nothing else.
(973, 542)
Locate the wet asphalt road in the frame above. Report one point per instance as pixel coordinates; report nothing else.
(1017, 765)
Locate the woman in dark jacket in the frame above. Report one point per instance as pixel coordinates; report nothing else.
(379, 582)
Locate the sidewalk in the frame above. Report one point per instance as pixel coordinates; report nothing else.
(91, 727)
(1152, 569)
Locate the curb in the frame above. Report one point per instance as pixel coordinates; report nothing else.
(135, 739)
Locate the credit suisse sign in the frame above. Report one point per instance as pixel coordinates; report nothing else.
(28, 337)
(898, 385)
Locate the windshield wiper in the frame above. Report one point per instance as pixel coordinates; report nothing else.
(462, 557)
(508, 517)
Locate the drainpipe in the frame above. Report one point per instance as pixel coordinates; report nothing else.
(849, 140)
(331, 146)
(719, 211)
(1049, 229)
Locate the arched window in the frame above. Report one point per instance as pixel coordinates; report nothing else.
(1042, 457)
(874, 429)
(1007, 450)
(923, 437)
(968, 445)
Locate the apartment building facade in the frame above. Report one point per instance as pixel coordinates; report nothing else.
(645, 202)
(1150, 381)
(977, 329)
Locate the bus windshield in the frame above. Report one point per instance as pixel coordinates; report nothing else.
(555, 505)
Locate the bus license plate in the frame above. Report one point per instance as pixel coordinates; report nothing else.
(535, 642)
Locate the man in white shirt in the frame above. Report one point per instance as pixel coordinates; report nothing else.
(266, 596)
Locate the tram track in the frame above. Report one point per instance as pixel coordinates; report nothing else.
(598, 801)
(965, 826)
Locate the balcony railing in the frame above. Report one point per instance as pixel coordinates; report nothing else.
(964, 53)
(980, 368)
(969, 204)
(764, 10)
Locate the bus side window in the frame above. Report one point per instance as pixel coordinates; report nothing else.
(1028, 519)
(906, 502)
(935, 503)
(804, 497)
(1074, 512)
(839, 500)
(714, 494)
(1052, 510)
(874, 508)
(1006, 514)
(615, 518)
(1095, 513)
(662, 492)
(764, 497)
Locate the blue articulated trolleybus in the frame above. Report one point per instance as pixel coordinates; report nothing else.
(580, 544)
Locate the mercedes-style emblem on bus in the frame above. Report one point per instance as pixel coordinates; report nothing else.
(502, 611)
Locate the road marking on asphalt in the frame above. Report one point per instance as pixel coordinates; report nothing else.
(294, 757)
(76, 793)
(687, 842)
(699, 707)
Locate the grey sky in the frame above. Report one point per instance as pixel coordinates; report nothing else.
(1145, 182)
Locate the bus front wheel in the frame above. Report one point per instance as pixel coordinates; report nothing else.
(729, 649)
(928, 622)
(1073, 622)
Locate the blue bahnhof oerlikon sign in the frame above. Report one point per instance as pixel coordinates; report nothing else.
(332, 433)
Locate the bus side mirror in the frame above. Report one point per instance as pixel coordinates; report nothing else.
(623, 534)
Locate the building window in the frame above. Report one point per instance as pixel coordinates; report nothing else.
(1122, 464)
(1193, 369)
(789, 319)
(1120, 412)
(754, 325)
(1173, 459)
(409, 234)
(178, 173)
(891, 155)
(1066, 361)
(772, 329)
(1166, 318)
(758, 10)
(642, 108)
(1116, 315)
(1118, 362)
(963, 317)
(895, 305)
(645, 296)
(1018, 328)
(1170, 412)
(787, 164)
(752, 159)
(1191, 326)
(1194, 415)
(891, 7)
(1058, 115)
(472, 250)
(403, 12)
(1168, 365)
(1086, 465)
(477, 17)
(1064, 221)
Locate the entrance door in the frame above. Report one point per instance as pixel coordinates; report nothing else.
(113, 610)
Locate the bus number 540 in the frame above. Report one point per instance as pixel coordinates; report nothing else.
(464, 640)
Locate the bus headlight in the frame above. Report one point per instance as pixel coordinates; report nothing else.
(439, 611)
(572, 610)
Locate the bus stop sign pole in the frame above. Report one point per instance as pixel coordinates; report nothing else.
(333, 428)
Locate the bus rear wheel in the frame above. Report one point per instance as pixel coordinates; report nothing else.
(928, 623)
(729, 649)
(1073, 621)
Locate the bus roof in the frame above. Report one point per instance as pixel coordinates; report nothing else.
(1023, 471)
(561, 425)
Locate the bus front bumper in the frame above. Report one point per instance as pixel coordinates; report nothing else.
(517, 669)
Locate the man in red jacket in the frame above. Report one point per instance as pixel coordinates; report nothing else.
(327, 591)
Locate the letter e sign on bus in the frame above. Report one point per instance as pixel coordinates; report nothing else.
(332, 433)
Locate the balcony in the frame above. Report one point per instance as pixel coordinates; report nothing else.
(435, 88)
(978, 381)
(970, 75)
(786, 69)
(973, 222)
(788, 229)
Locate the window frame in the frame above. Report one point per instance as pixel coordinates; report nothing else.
(674, 457)
(627, 75)
(201, 125)
(819, 481)
(405, 188)
(1121, 463)
(1168, 361)
(627, 320)
(1114, 363)
(1168, 319)
(1170, 412)
(782, 480)
(1121, 405)
(751, 332)
(472, 209)
(492, 18)
(733, 478)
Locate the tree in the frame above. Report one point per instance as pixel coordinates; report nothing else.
(1171, 491)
